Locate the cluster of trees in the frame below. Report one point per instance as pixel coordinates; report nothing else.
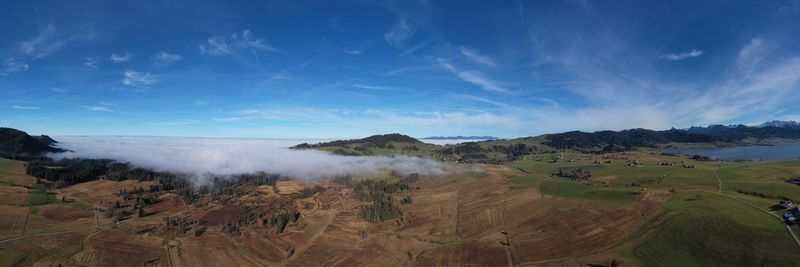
(473, 152)
(66, 172)
(181, 225)
(233, 228)
(227, 184)
(381, 209)
(379, 193)
(702, 158)
(371, 190)
(514, 151)
(574, 174)
(118, 212)
(308, 192)
(281, 220)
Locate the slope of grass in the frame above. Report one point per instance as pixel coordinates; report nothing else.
(529, 180)
(572, 189)
(706, 229)
(38, 196)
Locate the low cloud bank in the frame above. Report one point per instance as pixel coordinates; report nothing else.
(236, 156)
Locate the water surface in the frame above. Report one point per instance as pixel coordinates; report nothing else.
(776, 152)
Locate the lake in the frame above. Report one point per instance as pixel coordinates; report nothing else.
(776, 152)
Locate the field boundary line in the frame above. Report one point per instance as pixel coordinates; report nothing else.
(43, 234)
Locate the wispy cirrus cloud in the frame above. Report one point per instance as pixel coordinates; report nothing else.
(49, 40)
(753, 53)
(682, 56)
(353, 52)
(402, 31)
(137, 79)
(115, 58)
(91, 62)
(97, 108)
(230, 45)
(13, 65)
(373, 87)
(25, 107)
(474, 78)
(58, 90)
(477, 57)
(163, 58)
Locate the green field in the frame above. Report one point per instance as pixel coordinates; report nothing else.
(707, 229)
(38, 196)
(701, 227)
(573, 189)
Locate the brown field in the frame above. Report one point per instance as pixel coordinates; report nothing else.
(12, 221)
(452, 221)
(99, 191)
(212, 249)
(13, 195)
(14, 174)
(115, 248)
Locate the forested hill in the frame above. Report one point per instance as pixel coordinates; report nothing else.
(14, 142)
(375, 140)
(624, 140)
(627, 139)
(739, 132)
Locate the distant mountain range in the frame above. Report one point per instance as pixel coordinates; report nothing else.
(782, 124)
(460, 138)
(624, 140)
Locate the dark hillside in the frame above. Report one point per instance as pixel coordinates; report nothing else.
(624, 140)
(15, 142)
(375, 140)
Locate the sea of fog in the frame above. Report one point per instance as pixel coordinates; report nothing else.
(235, 156)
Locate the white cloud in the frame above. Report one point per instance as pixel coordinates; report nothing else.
(136, 79)
(174, 123)
(229, 45)
(475, 78)
(14, 66)
(401, 32)
(25, 107)
(42, 44)
(49, 41)
(352, 52)
(90, 62)
(237, 156)
(120, 58)
(477, 57)
(753, 53)
(97, 108)
(373, 87)
(163, 58)
(682, 56)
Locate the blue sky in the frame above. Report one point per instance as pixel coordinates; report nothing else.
(355, 68)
